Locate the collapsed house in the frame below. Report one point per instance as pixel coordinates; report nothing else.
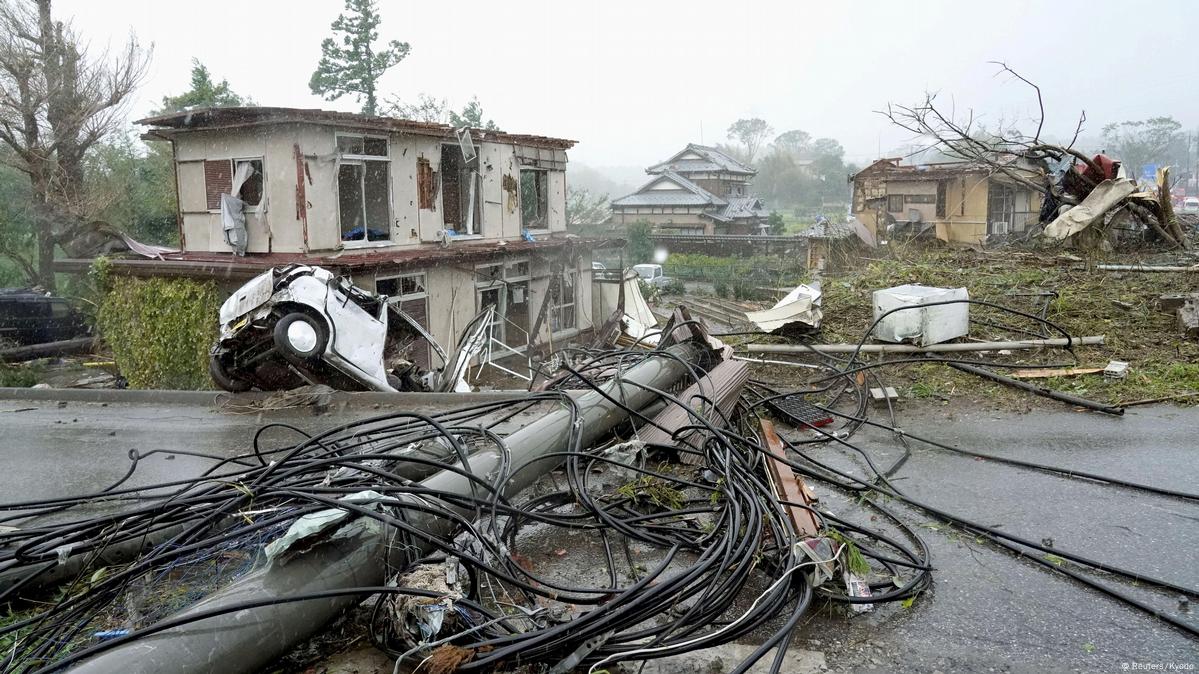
(957, 202)
(700, 190)
(445, 222)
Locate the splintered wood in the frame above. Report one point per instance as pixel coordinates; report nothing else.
(789, 486)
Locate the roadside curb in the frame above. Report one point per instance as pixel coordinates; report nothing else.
(211, 398)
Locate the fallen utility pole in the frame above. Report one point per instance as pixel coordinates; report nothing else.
(1039, 390)
(252, 622)
(18, 354)
(932, 348)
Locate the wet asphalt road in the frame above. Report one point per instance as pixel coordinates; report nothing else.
(988, 611)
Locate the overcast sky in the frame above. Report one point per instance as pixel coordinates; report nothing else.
(633, 81)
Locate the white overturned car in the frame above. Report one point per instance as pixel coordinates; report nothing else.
(299, 325)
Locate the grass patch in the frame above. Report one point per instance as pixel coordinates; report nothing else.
(1087, 303)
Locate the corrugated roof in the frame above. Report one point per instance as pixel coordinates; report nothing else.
(712, 160)
(688, 194)
(224, 118)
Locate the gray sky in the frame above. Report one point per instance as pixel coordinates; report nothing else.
(633, 81)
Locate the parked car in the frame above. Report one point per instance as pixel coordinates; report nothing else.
(299, 324)
(31, 317)
(653, 275)
(597, 265)
(1190, 205)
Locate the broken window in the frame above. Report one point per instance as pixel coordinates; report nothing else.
(942, 191)
(363, 190)
(220, 177)
(895, 203)
(426, 184)
(534, 199)
(562, 314)
(461, 201)
(409, 294)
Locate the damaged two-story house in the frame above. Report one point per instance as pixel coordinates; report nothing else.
(444, 221)
(700, 190)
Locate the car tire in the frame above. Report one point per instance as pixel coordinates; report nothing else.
(224, 380)
(300, 337)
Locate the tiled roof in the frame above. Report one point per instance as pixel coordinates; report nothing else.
(688, 194)
(711, 161)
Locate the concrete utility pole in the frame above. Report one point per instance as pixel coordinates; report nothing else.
(363, 552)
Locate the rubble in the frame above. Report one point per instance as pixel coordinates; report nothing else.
(939, 314)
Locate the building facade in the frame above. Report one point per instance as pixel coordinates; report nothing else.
(446, 222)
(963, 202)
(700, 190)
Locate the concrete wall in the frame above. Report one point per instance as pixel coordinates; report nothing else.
(278, 224)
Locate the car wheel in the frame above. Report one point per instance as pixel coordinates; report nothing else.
(224, 380)
(300, 336)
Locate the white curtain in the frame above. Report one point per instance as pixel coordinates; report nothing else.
(233, 210)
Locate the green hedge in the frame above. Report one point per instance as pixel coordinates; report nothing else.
(160, 330)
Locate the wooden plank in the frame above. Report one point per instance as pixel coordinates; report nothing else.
(1043, 372)
(789, 486)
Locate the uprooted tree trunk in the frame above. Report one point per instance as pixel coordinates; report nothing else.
(1006, 149)
(56, 102)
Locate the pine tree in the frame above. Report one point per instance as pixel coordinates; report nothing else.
(349, 61)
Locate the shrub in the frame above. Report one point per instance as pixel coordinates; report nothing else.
(160, 331)
(675, 287)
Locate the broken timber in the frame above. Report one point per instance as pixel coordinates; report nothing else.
(789, 487)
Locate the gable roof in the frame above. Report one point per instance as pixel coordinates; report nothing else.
(687, 194)
(702, 159)
(240, 117)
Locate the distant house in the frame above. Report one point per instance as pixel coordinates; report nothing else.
(963, 202)
(444, 222)
(700, 190)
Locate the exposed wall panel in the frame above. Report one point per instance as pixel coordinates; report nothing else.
(557, 200)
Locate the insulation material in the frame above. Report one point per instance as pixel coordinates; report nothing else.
(923, 325)
(801, 305)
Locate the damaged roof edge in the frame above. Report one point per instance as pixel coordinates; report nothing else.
(231, 118)
(226, 266)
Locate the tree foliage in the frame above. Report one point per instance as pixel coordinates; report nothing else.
(583, 209)
(57, 101)
(428, 108)
(1149, 141)
(204, 93)
(750, 134)
(638, 243)
(350, 62)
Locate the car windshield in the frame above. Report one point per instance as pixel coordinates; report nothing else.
(645, 271)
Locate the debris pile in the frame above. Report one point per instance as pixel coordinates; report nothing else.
(1095, 192)
(693, 501)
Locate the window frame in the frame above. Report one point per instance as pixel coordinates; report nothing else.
(558, 305)
(361, 160)
(891, 201)
(422, 283)
(545, 217)
(232, 161)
